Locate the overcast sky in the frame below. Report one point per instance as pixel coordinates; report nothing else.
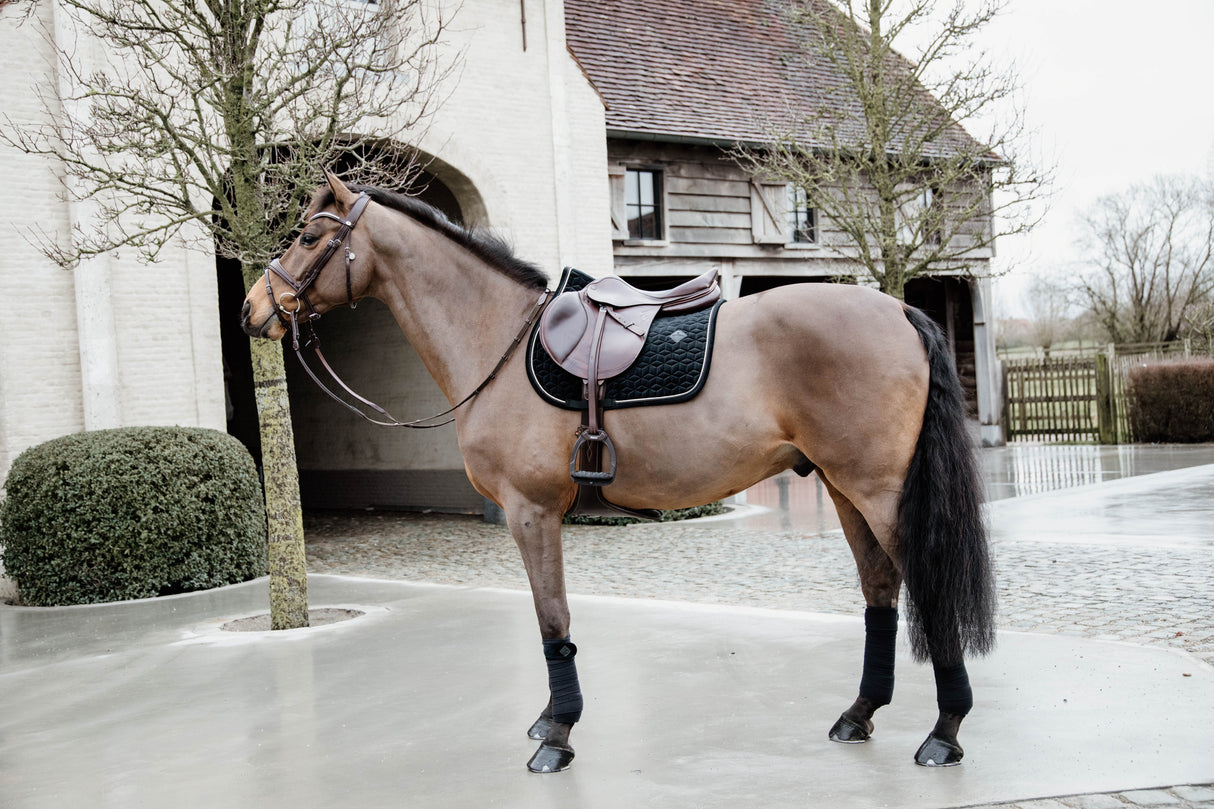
(1118, 92)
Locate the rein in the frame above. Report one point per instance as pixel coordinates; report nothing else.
(298, 293)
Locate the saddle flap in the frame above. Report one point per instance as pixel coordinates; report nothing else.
(567, 334)
(623, 338)
(565, 321)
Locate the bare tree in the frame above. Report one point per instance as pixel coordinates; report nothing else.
(886, 156)
(1199, 327)
(1046, 299)
(1150, 260)
(211, 120)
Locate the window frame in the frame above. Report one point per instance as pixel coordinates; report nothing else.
(656, 208)
(802, 232)
(922, 216)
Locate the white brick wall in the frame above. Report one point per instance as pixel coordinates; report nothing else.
(40, 395)
(161, 320)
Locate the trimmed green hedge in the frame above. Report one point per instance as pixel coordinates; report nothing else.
(131, 513)
(1172, 401)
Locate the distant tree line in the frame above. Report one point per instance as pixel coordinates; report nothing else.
(1146, 276)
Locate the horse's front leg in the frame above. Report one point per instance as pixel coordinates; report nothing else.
(537, 531)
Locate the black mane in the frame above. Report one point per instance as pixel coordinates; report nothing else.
(483, 243)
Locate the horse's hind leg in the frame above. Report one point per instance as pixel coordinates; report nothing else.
(880, 582)
(537, 531)
(954, 698)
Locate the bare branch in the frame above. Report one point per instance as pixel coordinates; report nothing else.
(1150, 259)
(224, 112)
(887, 158)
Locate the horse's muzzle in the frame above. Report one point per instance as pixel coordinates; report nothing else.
(264, 329)
(245, 323)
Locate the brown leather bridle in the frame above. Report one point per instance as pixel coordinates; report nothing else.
(299, 289)
(298, 294)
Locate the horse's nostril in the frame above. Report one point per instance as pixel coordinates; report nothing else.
(245, 311)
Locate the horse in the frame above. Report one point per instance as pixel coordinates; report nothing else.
(839, 380)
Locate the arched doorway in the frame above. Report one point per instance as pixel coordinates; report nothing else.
(345, 462)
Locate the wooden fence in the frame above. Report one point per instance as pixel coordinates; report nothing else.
(1056, 398)
(1075, 398)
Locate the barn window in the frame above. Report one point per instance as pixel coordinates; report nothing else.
(802, 217)
(643, 203)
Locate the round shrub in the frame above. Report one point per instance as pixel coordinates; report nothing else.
(131, 513)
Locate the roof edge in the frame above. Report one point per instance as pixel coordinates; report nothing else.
(678, 137)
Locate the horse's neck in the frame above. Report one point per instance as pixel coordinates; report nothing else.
(457, 311)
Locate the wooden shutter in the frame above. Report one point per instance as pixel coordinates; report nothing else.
(619, 212)
(768, 212)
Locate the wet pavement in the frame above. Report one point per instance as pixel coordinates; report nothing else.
(715, 654)
(1108, 543)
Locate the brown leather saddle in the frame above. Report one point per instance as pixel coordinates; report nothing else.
(596, 333)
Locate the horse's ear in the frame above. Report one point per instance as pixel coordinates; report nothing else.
(344, 196)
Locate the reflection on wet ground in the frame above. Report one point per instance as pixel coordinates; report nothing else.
(1021, 469)
(789, 501)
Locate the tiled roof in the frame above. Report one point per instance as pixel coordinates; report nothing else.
(721, 70)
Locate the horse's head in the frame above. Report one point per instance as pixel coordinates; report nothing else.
(319, 271)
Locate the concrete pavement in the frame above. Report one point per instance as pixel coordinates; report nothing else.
(425, 699)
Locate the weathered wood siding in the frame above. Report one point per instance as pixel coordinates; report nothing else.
(714, 209)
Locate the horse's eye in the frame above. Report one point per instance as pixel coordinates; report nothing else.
(308, 239)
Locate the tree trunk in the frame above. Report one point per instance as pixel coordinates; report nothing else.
(893, 280)
(284, 514)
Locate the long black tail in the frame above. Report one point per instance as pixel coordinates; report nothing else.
(946, 560)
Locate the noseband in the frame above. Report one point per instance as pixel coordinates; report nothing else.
(298, 294)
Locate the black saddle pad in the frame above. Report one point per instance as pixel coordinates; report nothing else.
(671, 368)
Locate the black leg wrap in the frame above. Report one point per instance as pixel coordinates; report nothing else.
(562, 681)
(953, 692)
(880, 639)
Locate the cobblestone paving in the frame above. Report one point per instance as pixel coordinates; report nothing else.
(1155, 595)
(1192, 796)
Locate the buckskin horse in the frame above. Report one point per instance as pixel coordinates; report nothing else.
(832, 378)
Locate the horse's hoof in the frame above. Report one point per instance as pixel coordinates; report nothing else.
(550, 759)
(848, 731)
(539, 731)
(936, 752)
